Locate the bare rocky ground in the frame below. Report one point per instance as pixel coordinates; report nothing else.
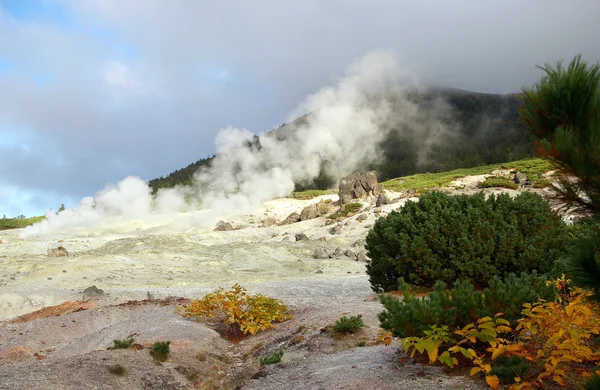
(153, 262)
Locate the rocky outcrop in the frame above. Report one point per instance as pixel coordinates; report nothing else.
(382, 199)
(268, 222)
(292, 218)
(520, 178)
(223, 227)
(315, 210)
(357, 186)
(92, 292)
(302, 237)
(61, 251)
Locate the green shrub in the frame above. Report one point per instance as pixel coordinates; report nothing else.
(117, 369)
(352, 207)
(347, 209)
(122, 344)
(541, 183)
(462, 305)
(498, 182)
(467, 237)
(592, 384)
(507, 368)
(274, 358)
(160, 351)
(347, 325)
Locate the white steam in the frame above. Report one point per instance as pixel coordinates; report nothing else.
(342, 130)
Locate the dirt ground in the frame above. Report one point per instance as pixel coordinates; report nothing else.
(155, 262)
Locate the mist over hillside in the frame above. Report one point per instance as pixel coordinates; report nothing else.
(474, 129)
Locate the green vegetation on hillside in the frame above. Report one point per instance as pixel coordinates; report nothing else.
(533, 168)
(19, 222)
(310, 194)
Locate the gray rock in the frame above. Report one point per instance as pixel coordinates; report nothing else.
(335, 230)
(520, 178)
(382, 199)
(315, 210)
(361, 217)
(321, 253)
(292, 218)
(60, 251)
(92, 292)
(223, 227)
(329, 222)
(358, 185)
(302, 237)
(362, 256)
(338, 252)
(360, 243)
(349, 253)
(268, 222)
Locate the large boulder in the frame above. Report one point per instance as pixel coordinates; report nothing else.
(223, 227)
(382, 199)
(292, 218)
(315, 210)
(357, 186)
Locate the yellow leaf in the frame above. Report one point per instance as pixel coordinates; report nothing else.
(498, 315)
(475, 370)
(559, 380)
(487, 368)
(493, 381)
(484, 319)
(497, 352)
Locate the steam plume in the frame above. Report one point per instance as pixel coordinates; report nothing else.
(342, 128)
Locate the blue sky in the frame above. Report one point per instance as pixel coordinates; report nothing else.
(94, 91)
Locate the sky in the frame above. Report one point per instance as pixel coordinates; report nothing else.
(92, 91)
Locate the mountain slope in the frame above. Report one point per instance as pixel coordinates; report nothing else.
(482, 129)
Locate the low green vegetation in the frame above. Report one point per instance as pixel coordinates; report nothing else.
(533, 168)
(122, 344)
(465, 237)
(498, 182)
(462, 304)
(347, 209)
(347, 325)
(18, 222)
(274, 358)
(160, 351)
(310, 194)
(117, 369)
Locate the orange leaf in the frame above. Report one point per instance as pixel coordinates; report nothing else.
(493, 381)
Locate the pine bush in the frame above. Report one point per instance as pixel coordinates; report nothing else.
(456, 308)
(445, 238)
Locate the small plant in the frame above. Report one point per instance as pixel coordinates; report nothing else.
(122, 344)
(361, 343)
(160, 351)
(117, 369)
(235, 312)
(274, 358)
(346, 325)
